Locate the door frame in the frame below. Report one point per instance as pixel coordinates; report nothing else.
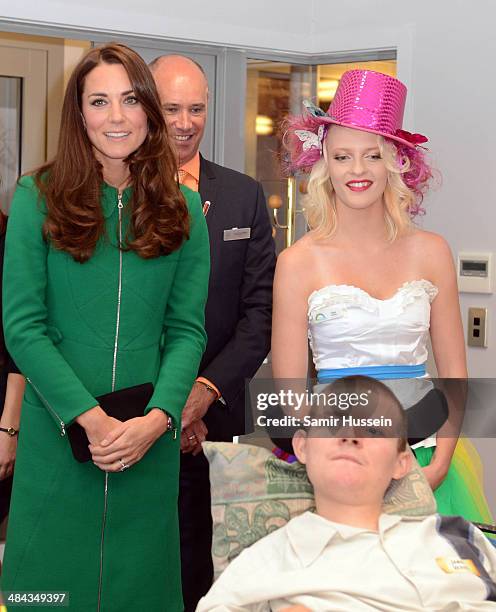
(29, 65)
(52, 47)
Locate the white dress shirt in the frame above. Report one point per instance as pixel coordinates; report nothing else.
(408, 565)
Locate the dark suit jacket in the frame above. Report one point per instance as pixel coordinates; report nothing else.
(239, 306)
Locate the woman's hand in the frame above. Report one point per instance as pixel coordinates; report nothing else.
(10, 418)
(125, 444)
(435, 474)
(8, 447)
(97, 424)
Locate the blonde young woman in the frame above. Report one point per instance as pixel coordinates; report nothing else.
(365, 284)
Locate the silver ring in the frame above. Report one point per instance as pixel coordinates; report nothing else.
(192, 437)
(124, 465)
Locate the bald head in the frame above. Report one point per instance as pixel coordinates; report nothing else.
(183, 90)
(173, 62)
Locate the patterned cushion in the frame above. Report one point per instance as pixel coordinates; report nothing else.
(254, 493)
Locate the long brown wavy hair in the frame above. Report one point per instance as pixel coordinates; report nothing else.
(71, 183)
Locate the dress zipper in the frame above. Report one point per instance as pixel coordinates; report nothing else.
(119, 291)
(58, 420)
(114, 369)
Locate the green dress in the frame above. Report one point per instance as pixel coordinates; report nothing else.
(77, 331)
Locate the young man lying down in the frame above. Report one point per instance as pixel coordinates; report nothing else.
(348, 556)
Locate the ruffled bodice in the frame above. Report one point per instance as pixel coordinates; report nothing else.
(349, 328)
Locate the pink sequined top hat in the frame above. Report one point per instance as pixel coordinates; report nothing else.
(369, 101)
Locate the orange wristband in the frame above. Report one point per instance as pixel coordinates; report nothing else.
(206, 383)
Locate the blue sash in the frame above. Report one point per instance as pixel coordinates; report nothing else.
(384, 372)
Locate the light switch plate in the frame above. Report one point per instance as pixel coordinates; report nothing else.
(477, 327)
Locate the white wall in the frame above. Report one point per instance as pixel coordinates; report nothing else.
(256, 23)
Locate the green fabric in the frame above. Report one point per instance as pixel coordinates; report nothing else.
(457, 494)
(60, 327)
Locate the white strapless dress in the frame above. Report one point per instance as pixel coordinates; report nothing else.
(348, 328)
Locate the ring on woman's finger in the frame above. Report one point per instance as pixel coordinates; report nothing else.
(192, 437)
(124, 466)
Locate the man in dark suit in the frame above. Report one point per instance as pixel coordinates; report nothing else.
(238, 311)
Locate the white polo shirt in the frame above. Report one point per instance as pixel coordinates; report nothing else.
(433, 563)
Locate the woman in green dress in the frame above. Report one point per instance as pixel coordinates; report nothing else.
(105, 283)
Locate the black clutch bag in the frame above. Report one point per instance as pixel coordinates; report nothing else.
(124, 404)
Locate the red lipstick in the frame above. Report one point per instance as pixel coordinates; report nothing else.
(358, 185)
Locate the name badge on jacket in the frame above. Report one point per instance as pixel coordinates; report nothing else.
(237, 233)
